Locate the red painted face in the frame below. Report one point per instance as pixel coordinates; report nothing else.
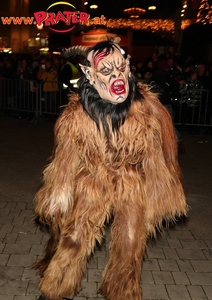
(109, 74)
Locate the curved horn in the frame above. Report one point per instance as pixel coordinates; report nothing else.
(75, 50)
(117, 40)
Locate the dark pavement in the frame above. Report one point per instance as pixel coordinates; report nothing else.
(177, 266)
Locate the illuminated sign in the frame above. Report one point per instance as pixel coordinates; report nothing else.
(55, 19)
(70, 18)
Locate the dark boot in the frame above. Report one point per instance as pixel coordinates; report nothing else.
(42, 297)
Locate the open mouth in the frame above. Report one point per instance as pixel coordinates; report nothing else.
(118, 87)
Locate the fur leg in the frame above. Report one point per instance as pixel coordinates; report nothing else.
(121, 278)
(83, 227)
(51, 247)
(42, 297)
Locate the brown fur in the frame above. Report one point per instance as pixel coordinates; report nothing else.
(134, 175)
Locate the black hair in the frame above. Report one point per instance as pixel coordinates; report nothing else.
(107, 46)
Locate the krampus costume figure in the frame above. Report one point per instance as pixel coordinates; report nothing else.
(115, 155)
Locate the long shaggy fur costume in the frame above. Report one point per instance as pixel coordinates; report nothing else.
(108, 160)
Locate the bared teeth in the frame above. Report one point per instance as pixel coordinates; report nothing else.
(120, 82)
(118, 87)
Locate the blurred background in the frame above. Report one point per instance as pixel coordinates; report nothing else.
(143, 26)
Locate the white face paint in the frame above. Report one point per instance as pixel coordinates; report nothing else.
(109, 74)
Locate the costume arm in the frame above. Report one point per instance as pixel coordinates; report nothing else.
(164, 190)
(168, 135)
(55, 198)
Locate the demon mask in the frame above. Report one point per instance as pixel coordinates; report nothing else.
(108, 72)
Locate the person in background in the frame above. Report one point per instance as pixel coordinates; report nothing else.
(150, 64)
(161, 62)
(23, 71)
(173, 68)
(24, 97)
(181, 112)
(207, 98)
(200, 71)
(167, 89)
(187, 69)
(136, 68)
(67, 75)
(35, 65)
(57, 63)
(139, 68)
(147, 76)
(7, 84)
(49, 77)
(194, 88)
(8, 69)
(172, 53)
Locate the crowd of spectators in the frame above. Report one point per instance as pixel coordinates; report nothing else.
(176, 80)
(25, 73)
(184, 86)
(34, 66)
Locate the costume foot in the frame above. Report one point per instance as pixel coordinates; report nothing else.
(42, 297)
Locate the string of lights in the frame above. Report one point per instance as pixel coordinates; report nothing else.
(145, 24)
(154, 25)
(204, 15)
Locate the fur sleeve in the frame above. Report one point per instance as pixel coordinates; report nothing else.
(165, 198)
(55, 197)
(169, 138)
(168, 135)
